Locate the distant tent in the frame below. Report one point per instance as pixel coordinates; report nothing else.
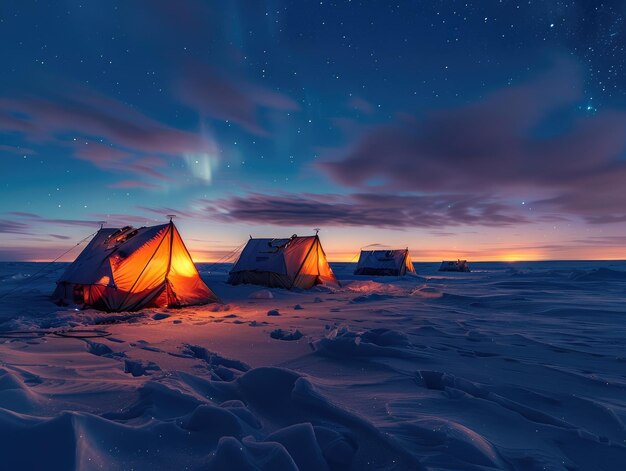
(129, 269)
(297, 262)
(384, 262)
(452, 265)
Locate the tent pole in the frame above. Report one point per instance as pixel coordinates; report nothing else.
(169, 263)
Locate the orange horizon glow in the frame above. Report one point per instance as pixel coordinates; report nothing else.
(520, 244)
(509, 258)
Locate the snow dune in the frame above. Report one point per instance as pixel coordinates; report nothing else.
(513, 366)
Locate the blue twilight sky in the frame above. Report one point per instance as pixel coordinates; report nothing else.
(487, 129)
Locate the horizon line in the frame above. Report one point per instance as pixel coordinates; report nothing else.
(413, 261)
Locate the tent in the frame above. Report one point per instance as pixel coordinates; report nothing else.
(451, 265)
(297, 262)
(384, 262)
(129, 269)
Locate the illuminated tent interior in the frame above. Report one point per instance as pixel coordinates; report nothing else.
(384, 263)
(454, 265)
(297, 262)
(129, 269)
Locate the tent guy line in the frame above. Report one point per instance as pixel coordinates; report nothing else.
(225, 258)
(39, 273)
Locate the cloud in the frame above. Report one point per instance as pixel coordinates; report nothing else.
(101, 155)
(127, 184)
(30, 223)
(13, 227)
(494, 146)
(610, 241)
(117, 137)
(23, 214)
(598, 195)
(106, 132)
(90, 114)
(9, 122)
(227, 99)
(59, 236)
(180, 16)
(361, 105)
(107, 157)
(16, 149)
(67, 222)
(364, 209)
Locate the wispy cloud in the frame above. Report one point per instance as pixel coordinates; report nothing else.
(13, 227)
(364, 209)
(15, 149)
(106, 132)
(127, 184)
(30, 223)
(361, 105)
(24, 214)
(60, 236)
(90, 114)
(214, 95)
(493, 147)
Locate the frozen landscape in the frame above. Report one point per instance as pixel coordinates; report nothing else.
(280, 135)
(516, 366)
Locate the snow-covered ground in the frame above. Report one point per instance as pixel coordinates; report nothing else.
(513, 366)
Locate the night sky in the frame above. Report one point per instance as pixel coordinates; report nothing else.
(488, 130)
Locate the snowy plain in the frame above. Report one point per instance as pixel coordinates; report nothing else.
(517, 366)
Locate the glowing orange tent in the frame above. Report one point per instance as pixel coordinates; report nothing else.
(297, 262)
(129, 269)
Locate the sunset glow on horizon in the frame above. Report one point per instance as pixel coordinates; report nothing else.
(339, 247)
